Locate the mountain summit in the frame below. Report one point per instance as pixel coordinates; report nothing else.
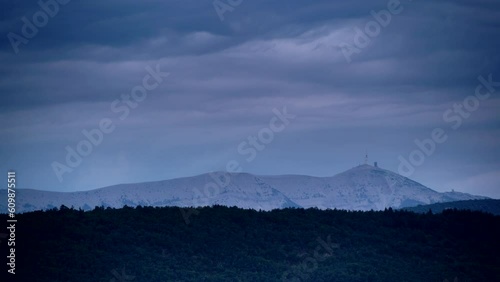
(363, 187)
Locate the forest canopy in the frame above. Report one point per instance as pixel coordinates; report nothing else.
(232, 244)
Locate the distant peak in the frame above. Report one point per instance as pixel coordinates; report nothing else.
(363, 166)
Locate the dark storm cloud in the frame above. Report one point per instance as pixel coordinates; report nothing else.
(121, 23)
(227, 76)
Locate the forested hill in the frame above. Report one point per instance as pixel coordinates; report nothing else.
(231, 244)
(487, 206)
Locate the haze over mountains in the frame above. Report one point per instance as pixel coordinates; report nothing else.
(364, 187)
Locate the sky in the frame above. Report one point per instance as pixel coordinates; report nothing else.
(96, 93)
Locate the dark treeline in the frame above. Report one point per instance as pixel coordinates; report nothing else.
(231, 244)
(487, 205)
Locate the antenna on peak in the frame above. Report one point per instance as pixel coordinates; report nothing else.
(366, 157)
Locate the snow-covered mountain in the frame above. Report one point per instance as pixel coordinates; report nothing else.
(244, 190)
(362, 188)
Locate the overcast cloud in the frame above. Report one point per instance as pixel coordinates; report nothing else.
(226, 77)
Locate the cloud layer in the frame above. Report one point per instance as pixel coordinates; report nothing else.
(227, 76)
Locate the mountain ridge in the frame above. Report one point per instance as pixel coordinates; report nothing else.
(363, 187)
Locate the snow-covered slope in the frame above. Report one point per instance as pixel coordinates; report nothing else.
(364, 187)
(244, 190)
(361, 188)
